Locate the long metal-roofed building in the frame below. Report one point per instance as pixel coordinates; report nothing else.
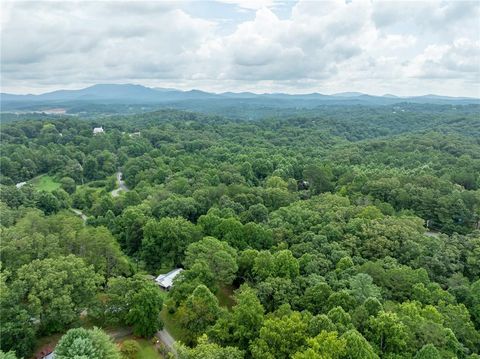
(166, 280)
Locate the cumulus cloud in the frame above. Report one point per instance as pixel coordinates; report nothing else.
(439, 16)
(249, 4)
(324, 46)
(448, 61)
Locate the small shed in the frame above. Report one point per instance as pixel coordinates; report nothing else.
(166, 280)
(98, 130)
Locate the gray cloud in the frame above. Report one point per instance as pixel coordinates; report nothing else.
(325, 46)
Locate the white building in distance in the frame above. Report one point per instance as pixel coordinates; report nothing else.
(98, 130)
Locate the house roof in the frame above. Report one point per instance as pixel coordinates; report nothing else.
(166, 280)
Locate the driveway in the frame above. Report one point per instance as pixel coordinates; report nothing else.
(166, 339)
(121, 185)
(79, 213)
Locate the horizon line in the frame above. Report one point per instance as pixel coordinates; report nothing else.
(156, 88)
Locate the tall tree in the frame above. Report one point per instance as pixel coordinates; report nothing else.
(206, 350)
(387, 332)
(362, 287)
(280, 337)
(357, 346)
(285, 264)
(219, 256)
(428, 351)
(165, 241)
(199, 311)
(86, 343)
(144, 312)
(134, 301)
(55, 291)
(16, 331)
(319, 178)
(247, 317)
(326, 345)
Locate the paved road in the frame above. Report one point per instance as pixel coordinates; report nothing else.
(121, 185)
(79, 213)
(166, 339)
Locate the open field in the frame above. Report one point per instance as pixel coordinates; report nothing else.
(45, 183)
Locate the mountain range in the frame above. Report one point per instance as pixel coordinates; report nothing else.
(135, 95)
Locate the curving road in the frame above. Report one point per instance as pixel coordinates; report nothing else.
(121, 185)
(79, 213)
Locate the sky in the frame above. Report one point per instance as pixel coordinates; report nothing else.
(405, 48)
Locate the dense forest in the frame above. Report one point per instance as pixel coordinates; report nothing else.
(330, 233)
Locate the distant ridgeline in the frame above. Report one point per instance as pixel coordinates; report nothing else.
(127, 98)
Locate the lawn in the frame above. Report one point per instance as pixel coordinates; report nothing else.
(172, 324)
(147, 349)
(45, 183)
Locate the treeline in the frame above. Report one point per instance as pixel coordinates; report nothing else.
(433, 173)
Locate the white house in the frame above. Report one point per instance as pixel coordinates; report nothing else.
(166, 280)
(98, 130)
(20, 184)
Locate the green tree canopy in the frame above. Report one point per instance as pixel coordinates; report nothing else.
(86, 343)
(219, 256)
(199, 311)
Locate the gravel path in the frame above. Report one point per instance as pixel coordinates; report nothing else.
(121, 185)
(79, 213)
(166, 339)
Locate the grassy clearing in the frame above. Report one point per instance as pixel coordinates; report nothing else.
(45, 183)
(147, 349)
(172, 324)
